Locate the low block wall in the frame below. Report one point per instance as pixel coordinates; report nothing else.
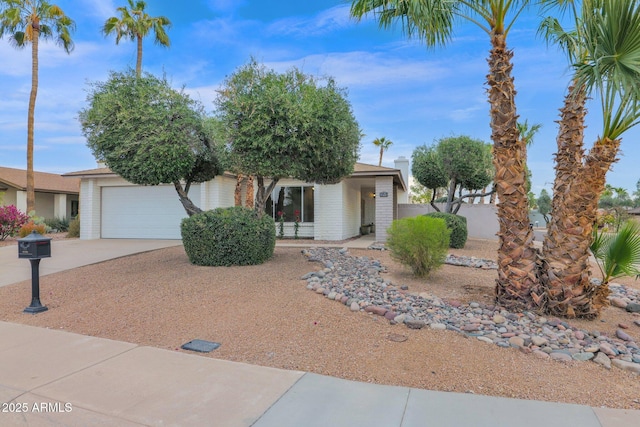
(482, 220)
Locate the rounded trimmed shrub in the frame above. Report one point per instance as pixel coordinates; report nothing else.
(458, 226)
(420, 243)
(228, 236)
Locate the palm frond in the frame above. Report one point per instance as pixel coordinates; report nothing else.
(618, 254)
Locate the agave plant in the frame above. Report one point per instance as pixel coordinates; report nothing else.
(617, 254)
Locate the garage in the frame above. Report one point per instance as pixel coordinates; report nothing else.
(139, 212)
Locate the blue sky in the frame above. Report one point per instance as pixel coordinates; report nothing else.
(398, 88)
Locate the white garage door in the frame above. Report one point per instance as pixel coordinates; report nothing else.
(152, 212)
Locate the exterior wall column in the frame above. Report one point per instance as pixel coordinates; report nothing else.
(21, 201)
(384, 206)
(60, 206)
(90, 210)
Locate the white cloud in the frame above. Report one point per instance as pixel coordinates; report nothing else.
(353, 69)
(324, 22)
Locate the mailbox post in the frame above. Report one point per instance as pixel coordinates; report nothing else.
(34, 247)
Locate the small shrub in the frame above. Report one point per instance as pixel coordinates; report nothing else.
(458, 226)
(59, 224)
(74, 228)
(30, 226)
(420, 243)
(11, 220)
(38, 220)
(228, 236)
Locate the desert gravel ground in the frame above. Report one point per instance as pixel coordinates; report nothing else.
(264, 315)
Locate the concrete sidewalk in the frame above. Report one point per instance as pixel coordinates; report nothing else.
(52, 378)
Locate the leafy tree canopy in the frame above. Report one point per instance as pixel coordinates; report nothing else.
(544, 204)
(149, 133)
(455, 163)
(287, 125)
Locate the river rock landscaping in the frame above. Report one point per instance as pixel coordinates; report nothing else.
(356, 282)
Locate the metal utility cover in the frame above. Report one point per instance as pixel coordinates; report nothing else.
(200, 345)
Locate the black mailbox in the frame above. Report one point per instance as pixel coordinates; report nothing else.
(34, 246)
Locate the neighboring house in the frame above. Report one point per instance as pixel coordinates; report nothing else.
(55, 196)
(111, 207)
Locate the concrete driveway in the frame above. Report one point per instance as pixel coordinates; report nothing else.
(68, 254)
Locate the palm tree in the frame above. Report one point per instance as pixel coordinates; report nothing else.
(384, 145)
(26, 21)
(134, 23)
(432, 21)
(605, 46)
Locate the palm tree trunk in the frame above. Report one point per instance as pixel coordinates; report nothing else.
(139, 57)
(381, 151)
(516, 254)
(561, 240)
(569, 290)
(31, 194)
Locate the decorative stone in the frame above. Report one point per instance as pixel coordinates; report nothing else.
(584, 356)
(561, 356)
(633, 307)
(602, 359)
(626, 366)
(498, 319)
(516, 341)
(415, 324)
(623, 335)
(539, 341)
(355, 306)
(618, 302)
(375, 309)
(438, 326)
(485, 339)
(540, 354)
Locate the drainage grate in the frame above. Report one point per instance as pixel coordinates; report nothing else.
(201, 345)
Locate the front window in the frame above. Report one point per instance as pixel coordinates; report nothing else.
(291, 202)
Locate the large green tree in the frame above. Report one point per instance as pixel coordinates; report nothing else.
(286, 125)
(150, 134)
(604, 48)
(135, 24)
(432, 21)
(455, 163)
(26, 22)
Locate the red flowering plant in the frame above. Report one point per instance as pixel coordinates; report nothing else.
(11, 220)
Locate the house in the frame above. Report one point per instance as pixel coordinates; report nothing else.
(55, 196)
(111, 207)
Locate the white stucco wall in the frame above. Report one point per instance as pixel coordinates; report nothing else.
(328, 212)
(384, 206)
(350, 209)
(90, 200)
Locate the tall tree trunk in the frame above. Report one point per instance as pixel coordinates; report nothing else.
(237, 195)
(559, 264)
(187, 204)
(380, 161)
(139, 57)
(569, 290)
(31, 191)
(249, 200)
(262, 194)
(516, 254)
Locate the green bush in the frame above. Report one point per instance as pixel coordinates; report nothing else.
(420, 243)
(458, 226)
(74, 228)
(228, 236)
